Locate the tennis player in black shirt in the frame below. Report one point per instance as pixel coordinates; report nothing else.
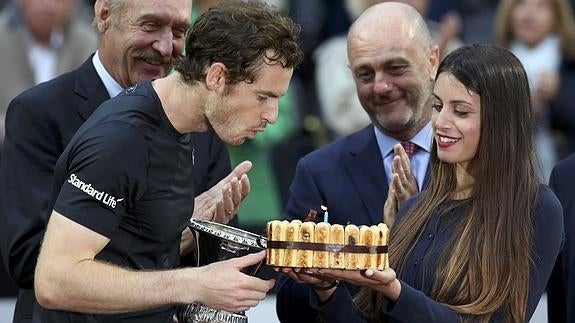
(122, 195)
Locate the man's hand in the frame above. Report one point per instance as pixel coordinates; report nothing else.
(402, 186)
(403, 179)
(390, 207)
(223, 286)
(221, 202)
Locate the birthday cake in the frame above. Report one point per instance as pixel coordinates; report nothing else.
(322, 245)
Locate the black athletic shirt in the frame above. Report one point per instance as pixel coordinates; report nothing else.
(126, 174)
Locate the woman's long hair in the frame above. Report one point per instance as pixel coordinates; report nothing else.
(493, 238)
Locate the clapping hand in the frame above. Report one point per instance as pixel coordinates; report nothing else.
(402, 186)
(222, 202)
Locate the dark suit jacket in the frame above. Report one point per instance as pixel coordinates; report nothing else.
(348, 177)
(562, 112)
(561, 287)
(39, 124)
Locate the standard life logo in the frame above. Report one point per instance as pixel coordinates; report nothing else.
(87, 188)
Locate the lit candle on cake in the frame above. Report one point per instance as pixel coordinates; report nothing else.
(325, 215)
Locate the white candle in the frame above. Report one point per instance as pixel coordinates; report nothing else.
(325, 214)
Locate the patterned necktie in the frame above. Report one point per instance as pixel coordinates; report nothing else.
(410, 148)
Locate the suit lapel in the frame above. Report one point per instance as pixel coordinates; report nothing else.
(364, 165)
(90, 88)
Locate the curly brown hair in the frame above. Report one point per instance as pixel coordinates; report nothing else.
(242, 36)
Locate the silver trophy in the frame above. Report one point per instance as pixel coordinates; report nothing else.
(218, 242)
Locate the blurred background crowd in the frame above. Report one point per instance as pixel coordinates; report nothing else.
(40, 39)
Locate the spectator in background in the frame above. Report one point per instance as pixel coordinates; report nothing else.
(445, 33)
(40, 40)
(320, 20)
(200, 6)
(541, 33)
(561, 286)
(340, 108)
(558, 92)
(3, 4)
(477, 17)
(562, 112)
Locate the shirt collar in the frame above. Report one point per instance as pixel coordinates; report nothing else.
(423, 139)
(111, 85)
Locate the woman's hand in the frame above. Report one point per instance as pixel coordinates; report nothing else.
(384, 281)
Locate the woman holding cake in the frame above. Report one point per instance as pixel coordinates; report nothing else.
(480, 243)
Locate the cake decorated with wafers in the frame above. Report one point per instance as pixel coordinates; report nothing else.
(322, 245)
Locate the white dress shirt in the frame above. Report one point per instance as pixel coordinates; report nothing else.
(111, 85)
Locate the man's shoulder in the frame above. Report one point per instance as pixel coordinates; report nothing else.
(563, 174)
(55, 89)
(45, 101)
(350, 143)
(546, 196)
(110, 140)
(55, 96)
(565, 166)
